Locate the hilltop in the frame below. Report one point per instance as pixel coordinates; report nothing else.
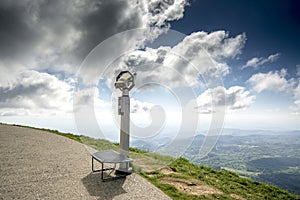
(181, 179)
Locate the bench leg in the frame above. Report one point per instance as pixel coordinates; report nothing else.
(105, 169)
(96, 170)
(92, 164)
(102, 170)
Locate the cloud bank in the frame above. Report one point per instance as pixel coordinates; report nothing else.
(43, 42)
(57, 35)
(198, 54)
(38, 93)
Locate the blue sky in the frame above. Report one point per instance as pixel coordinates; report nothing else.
(271, 27)
(221, 64)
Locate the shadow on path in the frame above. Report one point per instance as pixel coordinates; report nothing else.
(103, 190)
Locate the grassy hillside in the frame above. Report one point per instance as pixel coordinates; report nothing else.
(185, 180)
(272, 158)
(180, 179)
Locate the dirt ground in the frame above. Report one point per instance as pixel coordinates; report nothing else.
(193, 188)
(41, 165)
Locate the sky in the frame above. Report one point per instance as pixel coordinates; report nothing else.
(200, 65)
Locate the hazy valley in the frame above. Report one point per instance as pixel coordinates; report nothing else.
(268, 156)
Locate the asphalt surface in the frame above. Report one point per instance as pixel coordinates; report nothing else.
(40, 165)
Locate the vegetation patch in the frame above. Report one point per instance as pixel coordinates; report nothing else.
(276, 163)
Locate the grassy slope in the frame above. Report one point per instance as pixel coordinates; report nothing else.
(184, 176)
(230, 184)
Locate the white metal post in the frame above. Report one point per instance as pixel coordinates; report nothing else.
(124, 129)
(124, 82)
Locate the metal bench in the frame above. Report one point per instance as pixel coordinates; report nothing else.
(112, 157)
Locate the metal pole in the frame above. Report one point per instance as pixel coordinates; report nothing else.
(124, 130)
(124, 82)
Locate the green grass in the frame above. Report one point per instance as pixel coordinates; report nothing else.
(227, 182)
(147, 164)
(98, 144)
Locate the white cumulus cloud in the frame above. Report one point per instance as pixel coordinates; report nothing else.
(233, 98)
(260, 61)
(36, 92)
(198, 54)
(276, 81)
(273, 80)
(137, 106)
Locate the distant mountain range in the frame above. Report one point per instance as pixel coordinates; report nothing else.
(241, 132)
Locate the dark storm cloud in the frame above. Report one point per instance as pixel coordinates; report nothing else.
(106, 19)
(15, 33)
(56, 32)
(12, 97)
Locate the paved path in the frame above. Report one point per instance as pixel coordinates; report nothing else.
(40, 165)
